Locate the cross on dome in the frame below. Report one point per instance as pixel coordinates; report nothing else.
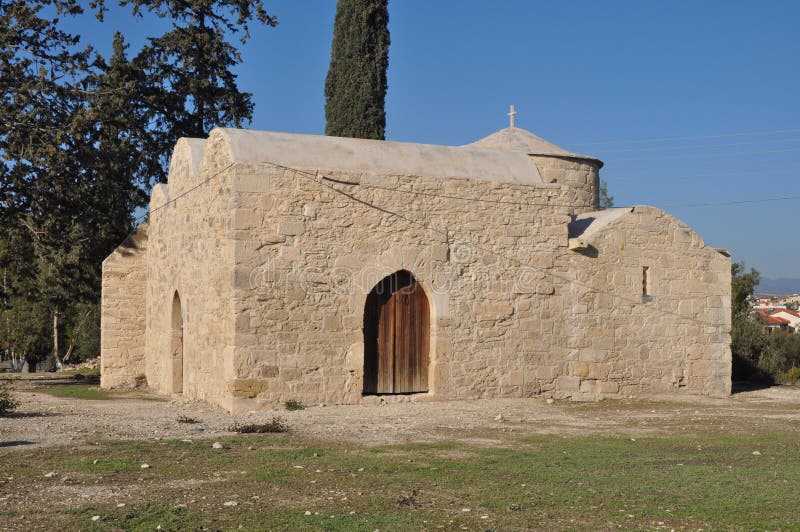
(511, 114)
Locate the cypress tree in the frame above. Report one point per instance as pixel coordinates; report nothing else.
(355, 89)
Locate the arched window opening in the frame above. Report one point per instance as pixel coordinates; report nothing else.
(176, 346)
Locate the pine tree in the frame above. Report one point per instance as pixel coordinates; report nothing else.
(355, 89)
(114, 129)
(83, 140)
(190, 86)
(41, 70)
(35, 57)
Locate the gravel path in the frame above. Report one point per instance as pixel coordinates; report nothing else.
(45, 420)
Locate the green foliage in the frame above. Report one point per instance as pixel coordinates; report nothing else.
(66, 199)
(792, 375)
(78, 391)
(84, 138)
(7, 401)
(547, 482)
(188, 83)
(748, 340)
(293, 404)
(782, 353)
(24, 328)
(606, 201)
(743, 283)
(758, 356)
(355, 88)
(749, 343)
(82, 331)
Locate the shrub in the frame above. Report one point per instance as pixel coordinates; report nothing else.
(291, 404)
(745, 369)
(792, 375)
(276, 425)
(7, 401)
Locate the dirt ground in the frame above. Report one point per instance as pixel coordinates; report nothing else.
(44, 420)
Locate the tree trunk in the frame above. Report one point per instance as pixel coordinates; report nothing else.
(55, 340)
(75, 336)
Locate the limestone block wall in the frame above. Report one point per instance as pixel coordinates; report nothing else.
(248, 288)
(122, 322)
(675, 339)
(306, 257)
(581, 174)
(191, 254)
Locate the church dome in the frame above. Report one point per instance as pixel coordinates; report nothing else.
(517, 139)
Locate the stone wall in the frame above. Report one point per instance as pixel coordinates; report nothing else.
(622, 342)
(307, 257)
(514, 311)
(581, 174)
(122, 321)
(191, 254)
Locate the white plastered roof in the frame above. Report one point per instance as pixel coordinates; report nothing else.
(521, 140)
(586, 225)
(380, 157)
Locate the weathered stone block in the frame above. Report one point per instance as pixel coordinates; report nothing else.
(268, 372)
(568, 383)
(607, 387)
(246, 387)
(292, 228)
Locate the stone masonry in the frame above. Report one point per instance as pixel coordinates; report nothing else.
(271, 242)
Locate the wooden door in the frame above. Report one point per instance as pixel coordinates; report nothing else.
(396, 337)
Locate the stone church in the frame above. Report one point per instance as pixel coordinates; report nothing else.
(281, 267)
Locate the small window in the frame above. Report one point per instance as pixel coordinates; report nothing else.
(646, 288)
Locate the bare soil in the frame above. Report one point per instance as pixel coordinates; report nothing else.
(44, 420)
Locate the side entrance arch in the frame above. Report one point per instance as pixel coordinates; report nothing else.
(175, 362)
(396, 336)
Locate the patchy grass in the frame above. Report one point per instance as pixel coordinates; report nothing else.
(77, 391)
(83, 372)
(91, 392)
(286, 482)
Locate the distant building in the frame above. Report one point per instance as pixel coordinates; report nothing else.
(779, 318)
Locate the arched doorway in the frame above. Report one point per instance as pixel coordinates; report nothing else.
(396, 336)
(176, 347)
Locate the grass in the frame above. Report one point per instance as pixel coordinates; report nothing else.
(93, 393)
(85, 372)
(543, 482)
(77, 391)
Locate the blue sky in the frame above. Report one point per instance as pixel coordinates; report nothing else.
(603, 78)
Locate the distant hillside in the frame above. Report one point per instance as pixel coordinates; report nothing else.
(779, 286)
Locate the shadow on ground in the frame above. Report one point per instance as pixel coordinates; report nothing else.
(749, 386)
(16, 443)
